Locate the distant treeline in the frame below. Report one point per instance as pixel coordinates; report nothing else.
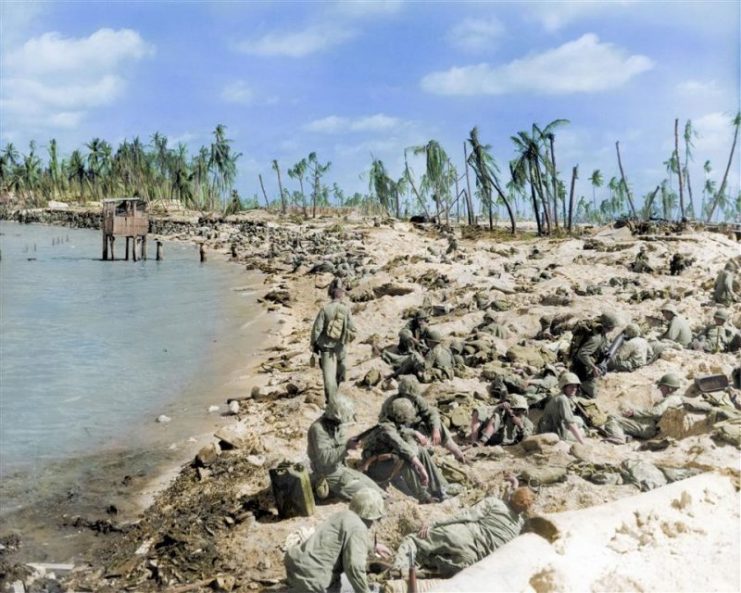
(531, 187)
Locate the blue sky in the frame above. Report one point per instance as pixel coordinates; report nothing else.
(353, 79)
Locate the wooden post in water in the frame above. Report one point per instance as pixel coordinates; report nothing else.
(133, 247)
(144, 247)
(113, 254)
(159, 250)
(126, 250)
(202, 252)
(105, 247)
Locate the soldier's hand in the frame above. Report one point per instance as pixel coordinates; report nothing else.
(424, 531)
(596, 371)
(424, 479)
(421, 439)
(628, 413)
(352, 443)
(436, 436)
(382, 551)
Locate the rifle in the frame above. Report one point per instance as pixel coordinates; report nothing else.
(365, 433)
(412, 585)
(611, 352)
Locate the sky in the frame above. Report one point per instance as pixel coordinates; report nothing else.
(357, 80)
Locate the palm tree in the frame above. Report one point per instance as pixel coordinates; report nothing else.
(597, 181)
(547, 135)
(485, 168)
(76, 170)
(736, 122)
(222, 164)
(276, 168)
(31, 171)
(8, 162)
(438, 177)
(98, 164)
(380, 184)
(689, 133)
(527, 167)
(297, 172)
(317, 170)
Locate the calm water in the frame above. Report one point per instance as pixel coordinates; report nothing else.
(91, 352)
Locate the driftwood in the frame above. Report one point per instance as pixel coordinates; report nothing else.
(666, 238)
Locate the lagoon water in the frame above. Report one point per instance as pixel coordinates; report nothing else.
(91, 352)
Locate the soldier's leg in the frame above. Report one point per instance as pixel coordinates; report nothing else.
(341, 364)
(349, 482)
(329, 374)
(589, 388)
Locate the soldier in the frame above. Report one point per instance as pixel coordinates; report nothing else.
(507, 423)
(450, 545)
(412, 338)
(590, 353)
(437, 365)
(678, 329)
(723, 292)
(634, 353)
(716, 337)
(644, 424)
(641, 265)
(327, 449)
(338, 545)
(392, 455)
(333, 329)
(558, 415)
(427, 418)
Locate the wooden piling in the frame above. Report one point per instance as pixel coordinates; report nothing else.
(144, 247)
(133, 248)
(202, 252)
(126, 250)
(159, 251)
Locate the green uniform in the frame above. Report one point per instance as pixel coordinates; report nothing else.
(332, 350)
(428, 417)
(453, 544)
(340, 544)
(678, 331)
(723, 290)
(437, 365)
(716, 338)
(506, 432)
(589, 353)
(327, 451)
(558, 415)
(399, 441)
(632, 355)
(643, 424)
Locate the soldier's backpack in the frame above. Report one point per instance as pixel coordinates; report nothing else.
(580, 334)
(337, 325)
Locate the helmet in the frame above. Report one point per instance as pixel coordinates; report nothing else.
(568, 379)
(608, 320)
(339, 409)
(721, 314)
(670, 380)
(368, 504)
(517, 402)
(402, 411)
(408, 385)
(632, 330)
(522, 499)
(421, 315)
(434, 336)
(669, 308)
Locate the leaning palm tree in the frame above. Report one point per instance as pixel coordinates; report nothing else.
(276, 168)
(528, 165)
(485, 168)
(382, 187)
(689, 134)
(222, 164)
(736, 122)
(317, 170)
(437, 178)
(597, 181)
(548, 137)
(298, 171)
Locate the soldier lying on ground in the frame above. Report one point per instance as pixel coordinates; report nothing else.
(333, 329)
(393, 454)
(644, 424)
(634, 353)
(559, 416)
(719, 336)
(328, 448)
(448, 546)
(504, 424)
(340, 544)
(427, 417)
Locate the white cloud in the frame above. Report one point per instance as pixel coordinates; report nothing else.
(714, 133)
(556, 15)
(52, 81)
(296, 44)
(366, 8)
(238, 92)
(581, 66)
(698, 87)
(334, 124)
(476, 34)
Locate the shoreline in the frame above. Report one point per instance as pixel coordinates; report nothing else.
(150, 467)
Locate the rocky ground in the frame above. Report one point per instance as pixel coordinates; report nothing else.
(215, 527)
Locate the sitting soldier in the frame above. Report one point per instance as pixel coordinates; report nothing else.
(634, 353)
(644, 424)
(723, 292)
(504, 424)
(559, 416)
(719, 336)
(437, 365)
(392, 454)
(328, 448)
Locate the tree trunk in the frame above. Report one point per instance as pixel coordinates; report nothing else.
(509, 208)
(280, 189)
(469, 196)
(725, 178)
(315, 195)
(691, 205)
(574, 175)
(679, 169)
(650, 202)
(535, 208)
(267, 204)
(625, 181)
(555, 181)
(303, 197)
(535, 175)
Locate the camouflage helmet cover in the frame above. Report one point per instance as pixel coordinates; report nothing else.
(632, 330)
(568, 379)
(340, 409)
(608, 320)
(669, 380)
(402, 411)
(409, 385)
(518, 402)
(434, 336)
(721, 314)
(368, 504)
(669, 308)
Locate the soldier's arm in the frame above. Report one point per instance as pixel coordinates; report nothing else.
(317, 329)
(589, 351)
(428, 413)
(398, 444)
(528, 428)
(323, 449)
(354, 559)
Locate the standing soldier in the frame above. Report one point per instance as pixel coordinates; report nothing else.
(590, 351)
(327, 450)
(340, 544)
(333, 329)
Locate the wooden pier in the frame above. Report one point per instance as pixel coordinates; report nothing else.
(128, 218)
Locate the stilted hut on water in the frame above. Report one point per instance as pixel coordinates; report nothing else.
(125, 217)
